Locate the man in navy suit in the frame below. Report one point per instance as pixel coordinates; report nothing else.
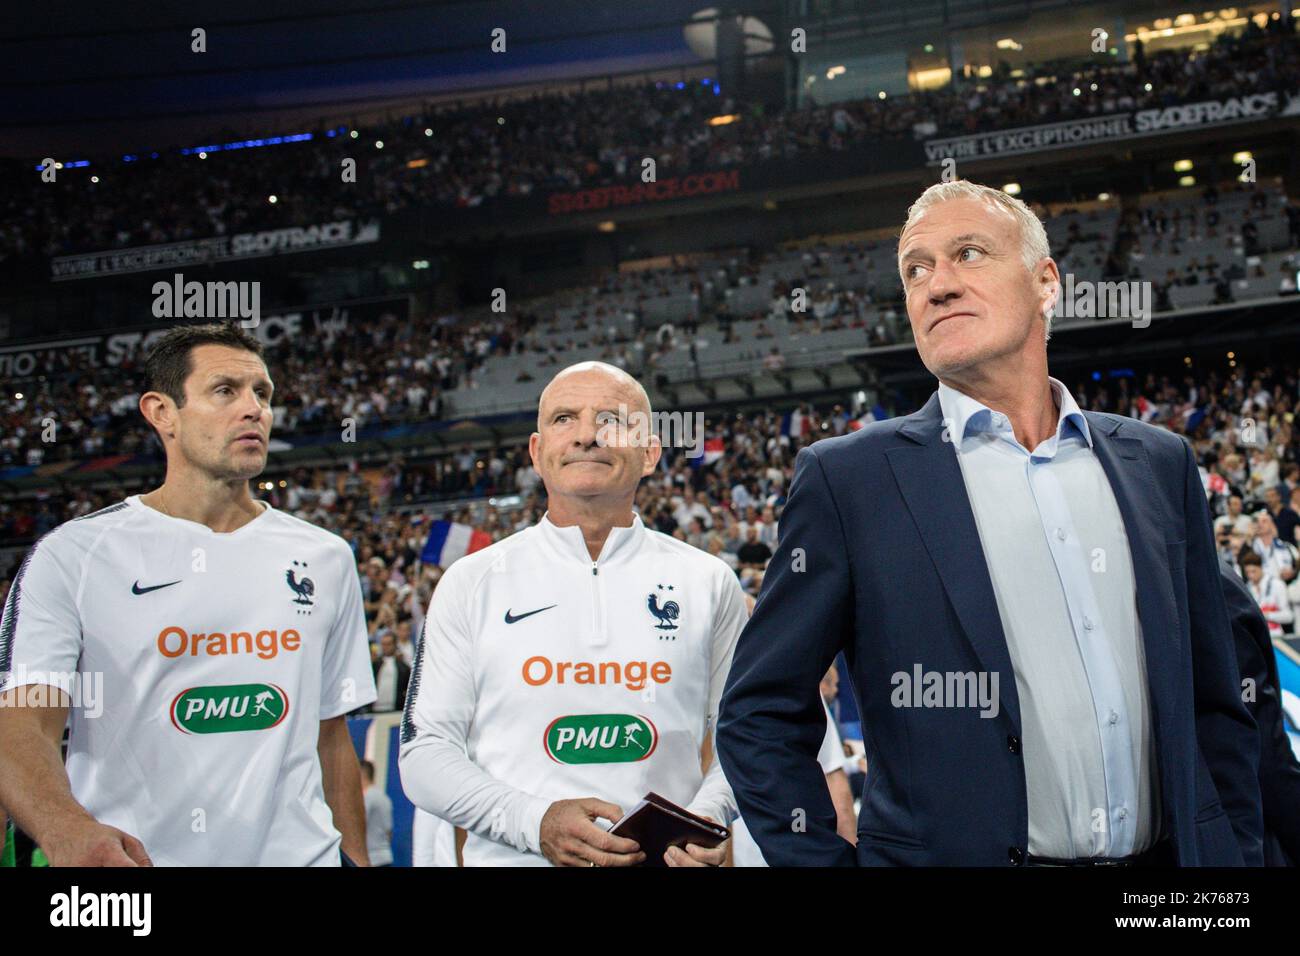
(1027, 596)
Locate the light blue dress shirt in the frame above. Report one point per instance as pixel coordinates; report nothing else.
(1062, 573)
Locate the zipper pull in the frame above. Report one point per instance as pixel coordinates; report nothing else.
(593, 568)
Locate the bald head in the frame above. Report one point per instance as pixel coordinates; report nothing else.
(594, 440)
(630, 391)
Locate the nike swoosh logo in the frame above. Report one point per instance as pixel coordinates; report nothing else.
(511, 618)
(136, 589)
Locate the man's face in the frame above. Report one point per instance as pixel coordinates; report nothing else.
(388, 645)
(1234, 506)
(225, 423)
(1264, 526)
(579, 451)
(970, 298)
(1273, 499)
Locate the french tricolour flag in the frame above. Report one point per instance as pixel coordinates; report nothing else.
(876, 413)
(449, 541)
(713, 450)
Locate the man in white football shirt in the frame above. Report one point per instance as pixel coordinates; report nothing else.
(229, 639)
(582, 656)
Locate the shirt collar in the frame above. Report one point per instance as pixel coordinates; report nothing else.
(964, 415)
(569, 543)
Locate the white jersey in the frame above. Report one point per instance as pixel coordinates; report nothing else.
(219, 655)
(543, 675)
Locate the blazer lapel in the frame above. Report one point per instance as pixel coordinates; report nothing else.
(935, 494)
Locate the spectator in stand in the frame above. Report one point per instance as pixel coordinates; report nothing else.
(405, 646)
(767, 532)
(1273, 502)
(520, 145)
(1288, 518)
(753, 553)
(1224, 542)
(1269, 593)
(718, 548)
(392, 676)
(688, 507)
(1278, 558)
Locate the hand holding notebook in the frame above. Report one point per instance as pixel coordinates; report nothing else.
(656, 824)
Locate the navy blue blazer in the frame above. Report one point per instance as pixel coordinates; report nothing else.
(879, 556)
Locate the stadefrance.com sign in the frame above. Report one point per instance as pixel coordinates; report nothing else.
(1111, 127)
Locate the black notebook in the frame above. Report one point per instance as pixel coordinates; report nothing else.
(656, 824)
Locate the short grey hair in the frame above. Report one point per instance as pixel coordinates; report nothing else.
(1033, 237)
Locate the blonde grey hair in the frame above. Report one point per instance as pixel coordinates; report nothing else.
(1033, 237)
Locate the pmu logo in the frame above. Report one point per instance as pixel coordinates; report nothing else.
(600, 738)
(229, 708)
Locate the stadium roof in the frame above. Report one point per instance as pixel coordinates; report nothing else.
(123, 75)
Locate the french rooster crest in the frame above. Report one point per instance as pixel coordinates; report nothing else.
(304, 588)
(666, 614)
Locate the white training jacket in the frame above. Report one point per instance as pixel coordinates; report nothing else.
(543, 676)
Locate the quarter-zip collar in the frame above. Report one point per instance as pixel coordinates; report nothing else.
(569, 544)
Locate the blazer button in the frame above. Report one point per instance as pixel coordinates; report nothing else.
(1013, 743)
(1016, 855)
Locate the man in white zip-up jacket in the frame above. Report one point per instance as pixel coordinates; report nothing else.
(576, 665)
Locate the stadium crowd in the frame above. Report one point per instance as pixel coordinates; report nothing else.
(321, 381)
(324, 380)
(467, 154)
(1240, 422)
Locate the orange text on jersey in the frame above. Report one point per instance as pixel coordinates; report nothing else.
(176, 642)
(542, 670)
